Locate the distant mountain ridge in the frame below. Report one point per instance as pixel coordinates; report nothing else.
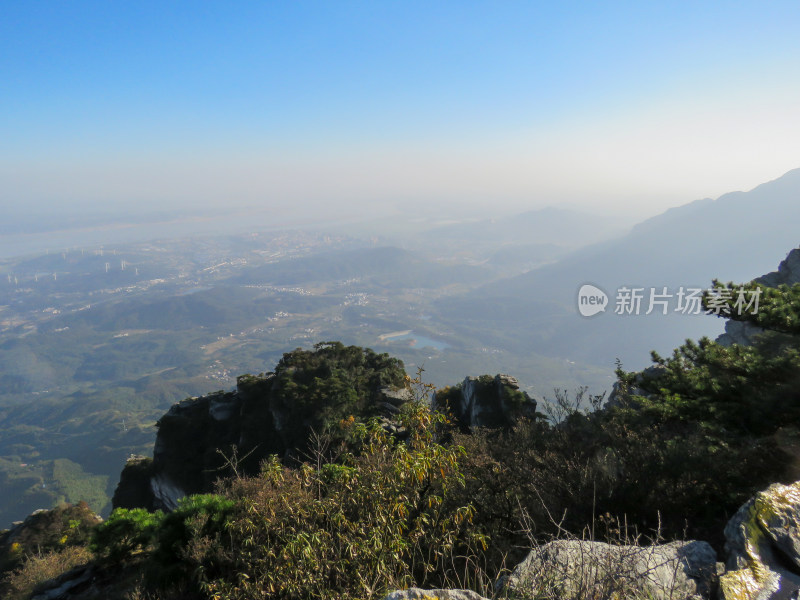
(550, 225)
(735, 237)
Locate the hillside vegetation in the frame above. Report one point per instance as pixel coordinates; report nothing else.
(364, 509)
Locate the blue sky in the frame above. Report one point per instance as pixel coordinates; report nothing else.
(632, 106)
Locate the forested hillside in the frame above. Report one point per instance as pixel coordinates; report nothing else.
(388, 486)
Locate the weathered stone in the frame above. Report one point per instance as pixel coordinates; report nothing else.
(166, 492)
(739, 332)
(222, 409)
(420, 594)
(202, 439)
(763, 546)
(491, 402)
(133, 490)
(390, 409)
(396, 397)
(788, 271)
(567, 568)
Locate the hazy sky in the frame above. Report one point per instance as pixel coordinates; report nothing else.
(637, 106)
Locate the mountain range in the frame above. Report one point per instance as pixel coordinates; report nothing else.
(736, 237)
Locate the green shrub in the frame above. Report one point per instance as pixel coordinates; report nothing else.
(184, 536)
(126, 534)
(172, 549)
(318, 388)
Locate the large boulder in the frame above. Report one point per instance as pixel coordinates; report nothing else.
(763, 546)
(576, 568)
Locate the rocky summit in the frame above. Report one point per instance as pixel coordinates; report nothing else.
(202, 439)
(487, 401)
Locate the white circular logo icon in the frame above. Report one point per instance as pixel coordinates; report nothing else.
(591, 300)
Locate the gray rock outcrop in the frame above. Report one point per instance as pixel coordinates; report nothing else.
(134, 488)
(487, 401)
(576, 568)
(763, 546)
(196, 439)
(788, 271)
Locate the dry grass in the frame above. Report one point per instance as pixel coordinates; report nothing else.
(40, 568)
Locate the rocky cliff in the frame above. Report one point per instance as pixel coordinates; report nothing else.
(487, 401)
(788, 273)
(202, 439)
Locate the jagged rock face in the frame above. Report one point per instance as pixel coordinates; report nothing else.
(202, 439)
(191, 440)
(788, 273)
(181, 462)
(487, 401)
(738, 332)
(675, 571)
(133, 490)
(763, 545)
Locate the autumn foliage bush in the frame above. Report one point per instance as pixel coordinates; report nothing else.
(358, 518)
